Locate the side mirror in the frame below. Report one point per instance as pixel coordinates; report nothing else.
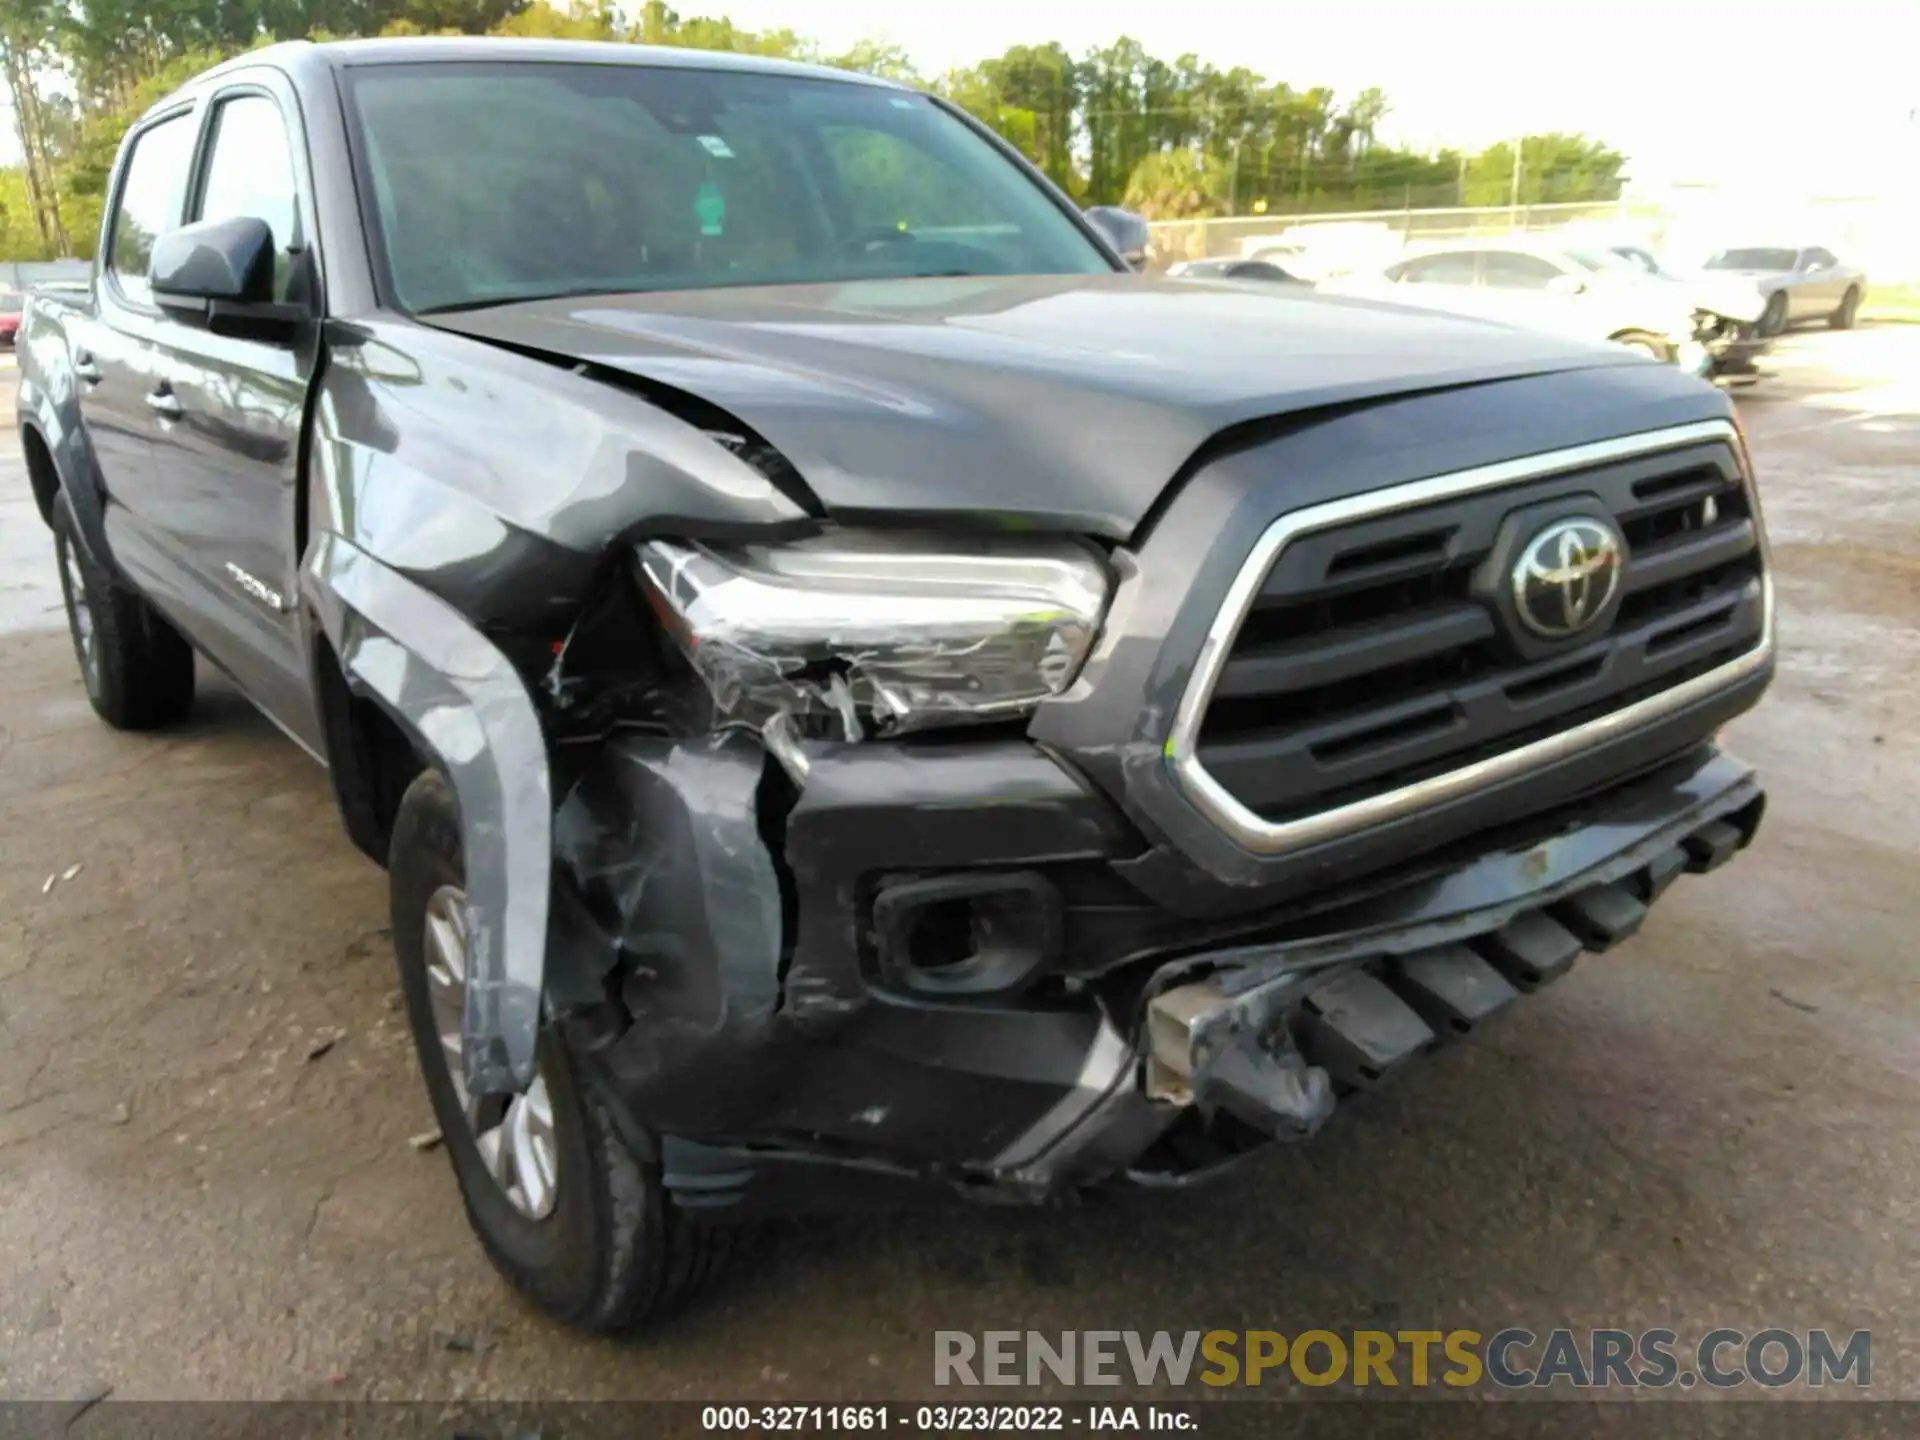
(1567, 285)
(229, 261)
(1124, 230)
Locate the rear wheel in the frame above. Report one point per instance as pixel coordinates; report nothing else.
(563, 1207)
(137, 668)
(1843, 318)
(1773, 319)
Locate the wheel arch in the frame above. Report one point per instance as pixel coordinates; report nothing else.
(427, 671)
(1628, 334)
(42, 473)
(371, 756)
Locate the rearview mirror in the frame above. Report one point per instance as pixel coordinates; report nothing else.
(1124, 230)
(1567, 285)
(229, 261)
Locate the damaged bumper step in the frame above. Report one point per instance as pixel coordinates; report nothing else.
(1278, 1069)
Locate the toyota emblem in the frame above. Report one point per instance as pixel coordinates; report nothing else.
(1567, 576)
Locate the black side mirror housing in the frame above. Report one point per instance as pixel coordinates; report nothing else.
(226, 260)
(223, 271)
(1124, 230)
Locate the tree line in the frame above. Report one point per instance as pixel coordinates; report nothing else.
(1173, 139)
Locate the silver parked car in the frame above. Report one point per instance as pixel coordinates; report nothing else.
(1808, 283)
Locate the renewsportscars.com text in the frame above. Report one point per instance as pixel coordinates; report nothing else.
(1512, 1358)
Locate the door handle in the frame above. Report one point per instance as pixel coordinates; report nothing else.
(164, 403)
(84, 369)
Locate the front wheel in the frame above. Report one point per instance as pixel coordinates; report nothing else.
(1773, 319)
(1843, 318)
(563, 1207)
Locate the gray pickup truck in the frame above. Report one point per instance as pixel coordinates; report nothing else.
(857, 692)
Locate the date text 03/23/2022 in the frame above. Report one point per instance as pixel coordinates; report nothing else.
(945, 1419)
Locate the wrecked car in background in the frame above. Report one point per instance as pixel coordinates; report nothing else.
(1589, 291)
(1728, 316)
(843, 706)
(1808, 283)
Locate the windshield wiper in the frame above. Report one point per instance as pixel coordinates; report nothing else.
(455, 307)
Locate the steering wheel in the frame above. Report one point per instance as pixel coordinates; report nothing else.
(874, 236)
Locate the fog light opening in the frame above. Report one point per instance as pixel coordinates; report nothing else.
(966, 935)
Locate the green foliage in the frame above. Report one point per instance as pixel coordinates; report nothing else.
(1174, 139)
(1177, 185)
(1553, 168)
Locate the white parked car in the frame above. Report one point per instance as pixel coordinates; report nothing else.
(1575, 290)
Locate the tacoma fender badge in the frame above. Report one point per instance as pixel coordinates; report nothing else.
(257, 588)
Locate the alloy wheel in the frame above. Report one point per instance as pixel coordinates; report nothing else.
(513, 1133)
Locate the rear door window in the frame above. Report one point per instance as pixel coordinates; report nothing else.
(1510, 270)
(1455, 267)
(153, 190)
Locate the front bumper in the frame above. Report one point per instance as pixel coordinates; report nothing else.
(744, 969)
(1733, 347)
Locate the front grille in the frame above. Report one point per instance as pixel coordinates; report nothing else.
(1375, 653)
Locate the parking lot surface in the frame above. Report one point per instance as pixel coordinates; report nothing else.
(202, 1197)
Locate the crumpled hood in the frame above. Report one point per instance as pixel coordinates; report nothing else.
(1053, 402)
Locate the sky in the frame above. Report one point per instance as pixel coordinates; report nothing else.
(1826, 94)
(1690, 89)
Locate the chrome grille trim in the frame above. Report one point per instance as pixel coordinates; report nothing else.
(1270, 837)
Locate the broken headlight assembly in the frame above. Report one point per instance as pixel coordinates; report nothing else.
(857, 633)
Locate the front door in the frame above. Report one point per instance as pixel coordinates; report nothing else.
(226, 445)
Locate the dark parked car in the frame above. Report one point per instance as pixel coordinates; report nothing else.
(853, 688)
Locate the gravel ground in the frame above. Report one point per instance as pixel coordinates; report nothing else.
(1712, 1126)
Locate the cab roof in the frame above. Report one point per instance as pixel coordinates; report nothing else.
(308, 59)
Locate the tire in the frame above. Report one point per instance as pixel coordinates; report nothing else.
(1843, 318)
(1773, 319)
(137, 668)
(1646, 344)
(611, 1253)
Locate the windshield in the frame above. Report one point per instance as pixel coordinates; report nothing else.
(1753, 260)
(494, 182)
(1641, 260)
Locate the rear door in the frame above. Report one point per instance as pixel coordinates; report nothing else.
(1519, 289)
(111, 349)
(229, 424)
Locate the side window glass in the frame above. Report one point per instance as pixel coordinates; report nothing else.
(1510, 270)
(249, 172)
(1454, 267)
(149, 204)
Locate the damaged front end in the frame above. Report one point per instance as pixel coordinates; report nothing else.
(802, 913)
(1727, 347)
(812, 939)
(836, 854)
